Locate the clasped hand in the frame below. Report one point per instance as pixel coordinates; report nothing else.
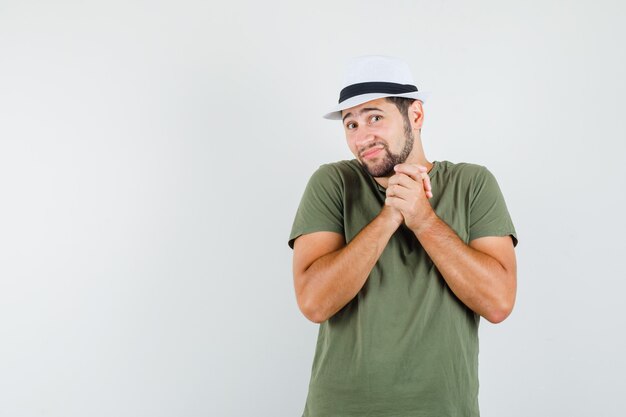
(408, 192)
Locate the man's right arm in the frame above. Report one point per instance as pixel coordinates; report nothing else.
(328, 273)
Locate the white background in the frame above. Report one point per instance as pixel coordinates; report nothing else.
(153, 154)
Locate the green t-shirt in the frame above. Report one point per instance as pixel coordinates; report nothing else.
(404, 345)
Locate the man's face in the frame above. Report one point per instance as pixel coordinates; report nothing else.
(378, 136)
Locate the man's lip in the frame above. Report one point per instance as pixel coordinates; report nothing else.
(371, 152)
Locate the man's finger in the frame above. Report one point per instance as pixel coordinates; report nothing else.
(400, 191)
(427, 187)
(397, 203)
(405, 179)
(401, 179)
(408, 182)
(412, 170)
(416, 173)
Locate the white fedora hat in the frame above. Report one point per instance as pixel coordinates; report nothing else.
(374, 76)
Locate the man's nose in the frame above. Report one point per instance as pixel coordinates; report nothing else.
(364, 138)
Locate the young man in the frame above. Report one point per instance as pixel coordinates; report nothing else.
(397, 258)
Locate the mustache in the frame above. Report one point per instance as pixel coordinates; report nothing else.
(363, 150)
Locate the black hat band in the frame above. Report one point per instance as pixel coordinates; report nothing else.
(375, 87)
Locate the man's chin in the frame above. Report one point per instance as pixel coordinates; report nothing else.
(381, 169)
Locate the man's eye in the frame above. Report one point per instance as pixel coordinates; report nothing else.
(351, 125)
(375, 118)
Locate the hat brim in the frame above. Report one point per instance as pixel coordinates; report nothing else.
(335, 113)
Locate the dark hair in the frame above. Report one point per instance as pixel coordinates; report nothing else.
(403, 104)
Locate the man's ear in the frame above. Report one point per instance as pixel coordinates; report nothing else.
(416, 115)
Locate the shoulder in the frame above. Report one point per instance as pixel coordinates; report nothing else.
(343, 167)
(337, 173)
(465, 172)
(473, 179)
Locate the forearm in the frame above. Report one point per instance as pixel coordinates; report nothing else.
(336, 278)
(477, 279)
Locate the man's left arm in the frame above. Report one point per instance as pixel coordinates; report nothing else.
(483, 274)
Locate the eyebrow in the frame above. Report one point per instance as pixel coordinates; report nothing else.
(363, 110)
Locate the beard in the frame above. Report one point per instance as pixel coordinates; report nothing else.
(384, 167)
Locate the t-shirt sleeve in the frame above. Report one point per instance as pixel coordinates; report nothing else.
(321, 206)
(489, 215)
